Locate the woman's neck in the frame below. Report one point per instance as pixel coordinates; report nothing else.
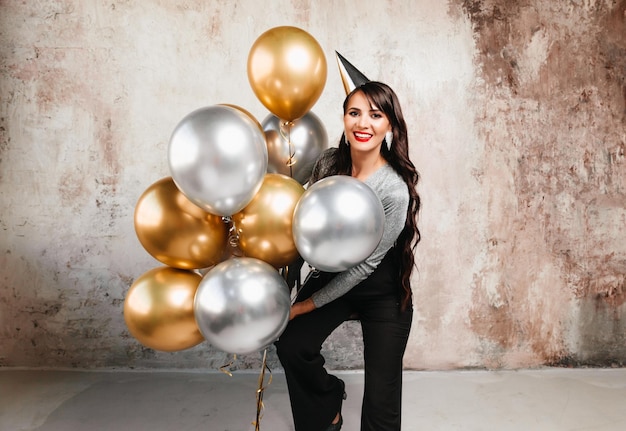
(364, 165)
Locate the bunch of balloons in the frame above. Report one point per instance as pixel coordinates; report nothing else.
(226, 220)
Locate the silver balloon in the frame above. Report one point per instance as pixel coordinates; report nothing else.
(218, 158)
(337, 223)
(308, 139)
(242, 305)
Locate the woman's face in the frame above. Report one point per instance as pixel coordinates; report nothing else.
(365, 125)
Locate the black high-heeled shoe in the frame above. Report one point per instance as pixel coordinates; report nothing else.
(337, 426)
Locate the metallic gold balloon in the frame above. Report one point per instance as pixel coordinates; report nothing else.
(159, 309)
(177, 232)
(293, 148)
(287, 71)
(264, 226)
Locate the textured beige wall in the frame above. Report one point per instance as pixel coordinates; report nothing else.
(517, 121)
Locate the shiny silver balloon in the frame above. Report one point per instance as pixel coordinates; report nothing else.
(337, 223)
(242, 305)
(218, 158)
(293, 147)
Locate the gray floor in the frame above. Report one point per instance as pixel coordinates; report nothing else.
(548, 399)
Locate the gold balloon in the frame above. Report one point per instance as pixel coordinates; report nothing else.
(159, 309)
(177, 232)
(264, 225)
(287, 71)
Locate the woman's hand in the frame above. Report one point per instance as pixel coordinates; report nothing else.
(302, 307)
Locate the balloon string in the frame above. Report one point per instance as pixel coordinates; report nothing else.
(233, 237)
(292, 149)
(259, 392)
(226, 368)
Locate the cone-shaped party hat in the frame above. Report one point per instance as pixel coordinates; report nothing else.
(350, 75)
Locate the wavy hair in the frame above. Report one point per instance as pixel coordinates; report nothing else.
(385, 99)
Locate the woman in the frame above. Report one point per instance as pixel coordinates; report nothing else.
(373, 149)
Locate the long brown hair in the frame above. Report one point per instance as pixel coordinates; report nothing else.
(384, 98)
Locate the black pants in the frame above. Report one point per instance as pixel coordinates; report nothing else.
(314, 394)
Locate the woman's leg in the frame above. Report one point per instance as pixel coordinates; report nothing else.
(385, 335)
(314, 394)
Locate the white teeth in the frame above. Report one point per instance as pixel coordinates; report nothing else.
(362, 135)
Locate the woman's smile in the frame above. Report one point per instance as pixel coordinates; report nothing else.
(362, 137)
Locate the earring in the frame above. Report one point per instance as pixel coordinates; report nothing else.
(389, 139)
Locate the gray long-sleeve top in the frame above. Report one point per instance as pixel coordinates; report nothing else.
(394, 196)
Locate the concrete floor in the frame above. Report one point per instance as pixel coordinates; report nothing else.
(547, 399)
